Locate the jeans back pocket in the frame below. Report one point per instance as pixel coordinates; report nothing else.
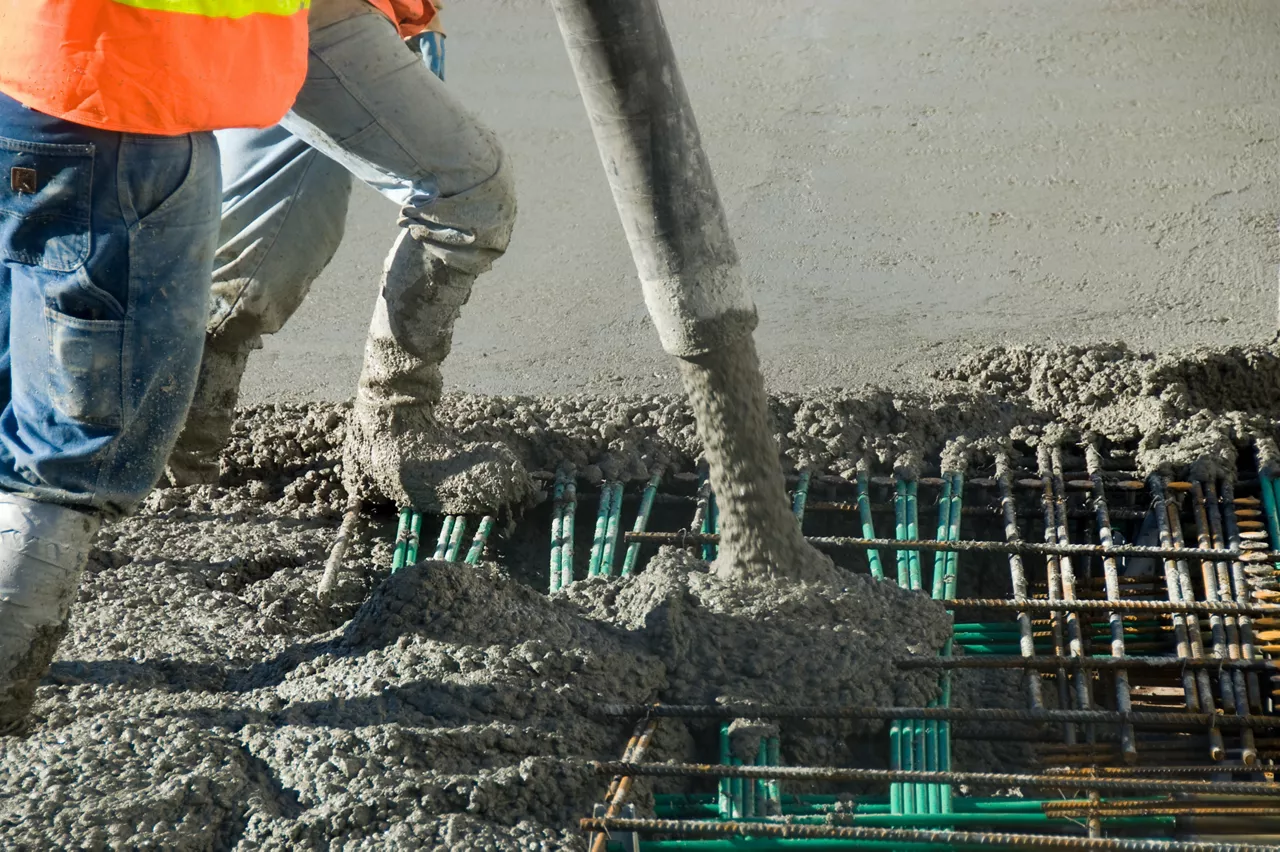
(84, 371)
(46, 198)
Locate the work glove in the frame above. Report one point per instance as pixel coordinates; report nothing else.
(430, 46)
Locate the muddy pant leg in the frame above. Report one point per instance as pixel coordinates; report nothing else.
(372, 105)
(284, 208)
(106, 242)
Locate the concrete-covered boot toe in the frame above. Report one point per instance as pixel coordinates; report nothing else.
(433, 471)
(43, 551)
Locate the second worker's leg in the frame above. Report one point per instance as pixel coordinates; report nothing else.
(370, 104)
(284, 207)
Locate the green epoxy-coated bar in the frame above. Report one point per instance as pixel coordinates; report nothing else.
(923, 820)
(900, 530)
(481, 539)
(402, 540)
(557, 532)
(800, 496)
(602, 526)
(724, 803)
(735, 793)
(952, 576)
(567, 532)
(642, 523)
(749, 802)
(711, 525)
(944, 524)
(775, 759)
(762, 786)
(769, 844)
(951, 581)
(878, 804)
(455, 538)
(1269, 502)
(913, 532)
(415, 536)
(868, 528)
(611, 531)
(442, 541)
(895, 762)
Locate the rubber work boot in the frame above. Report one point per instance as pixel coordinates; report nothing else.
(395, 449)
(195, 459)
(43, 550)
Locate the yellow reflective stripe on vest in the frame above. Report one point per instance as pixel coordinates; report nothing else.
(221, 8)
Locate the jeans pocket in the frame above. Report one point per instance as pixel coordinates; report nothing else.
(85, 368)
(46, 196)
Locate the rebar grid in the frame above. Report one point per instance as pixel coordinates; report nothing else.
(1118, 642)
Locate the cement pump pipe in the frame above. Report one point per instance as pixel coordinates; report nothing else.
(671, 212)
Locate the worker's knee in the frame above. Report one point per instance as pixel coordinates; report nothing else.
(469, 230)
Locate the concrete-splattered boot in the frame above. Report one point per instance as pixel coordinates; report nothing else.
(395, 448)
(43, 551)
(195, 458)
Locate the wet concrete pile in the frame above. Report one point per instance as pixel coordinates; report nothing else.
(206, 700)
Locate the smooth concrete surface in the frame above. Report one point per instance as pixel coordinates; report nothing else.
(906, 181)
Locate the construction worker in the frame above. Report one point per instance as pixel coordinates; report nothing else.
(370, 109)
(108, 226)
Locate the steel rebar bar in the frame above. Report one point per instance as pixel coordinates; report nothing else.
(1111, 580)
(974, 779)
(974, 714)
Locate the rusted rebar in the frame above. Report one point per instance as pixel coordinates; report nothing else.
(954, 839)
(1117, 664)
(1119, 606)
(1062, 584)
(1018, 577)
(1111, 582)
(1022, 548)
(966, 714)
(841, 775)
(1240, 590)
(1225, 632)
(1184, 640)
(620, 786)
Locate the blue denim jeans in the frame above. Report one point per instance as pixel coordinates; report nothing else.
(106, 251)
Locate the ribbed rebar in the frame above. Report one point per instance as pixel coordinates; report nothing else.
(1117, 664)
(1023, 548)
(1239, 591)
(1118, 606)
(1018, 576)
(944, 838)
(839, 775)
(1061, 586)
(1230, 685)
(620, 786)
(1191, 688)
(968, 714)
(1111, 580)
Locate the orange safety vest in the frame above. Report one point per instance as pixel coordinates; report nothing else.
(163, 67)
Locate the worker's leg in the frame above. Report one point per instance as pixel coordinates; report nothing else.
(372, 105)
(106, 241)
(284, 207)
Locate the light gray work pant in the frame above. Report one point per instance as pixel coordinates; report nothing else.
(371, 109)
